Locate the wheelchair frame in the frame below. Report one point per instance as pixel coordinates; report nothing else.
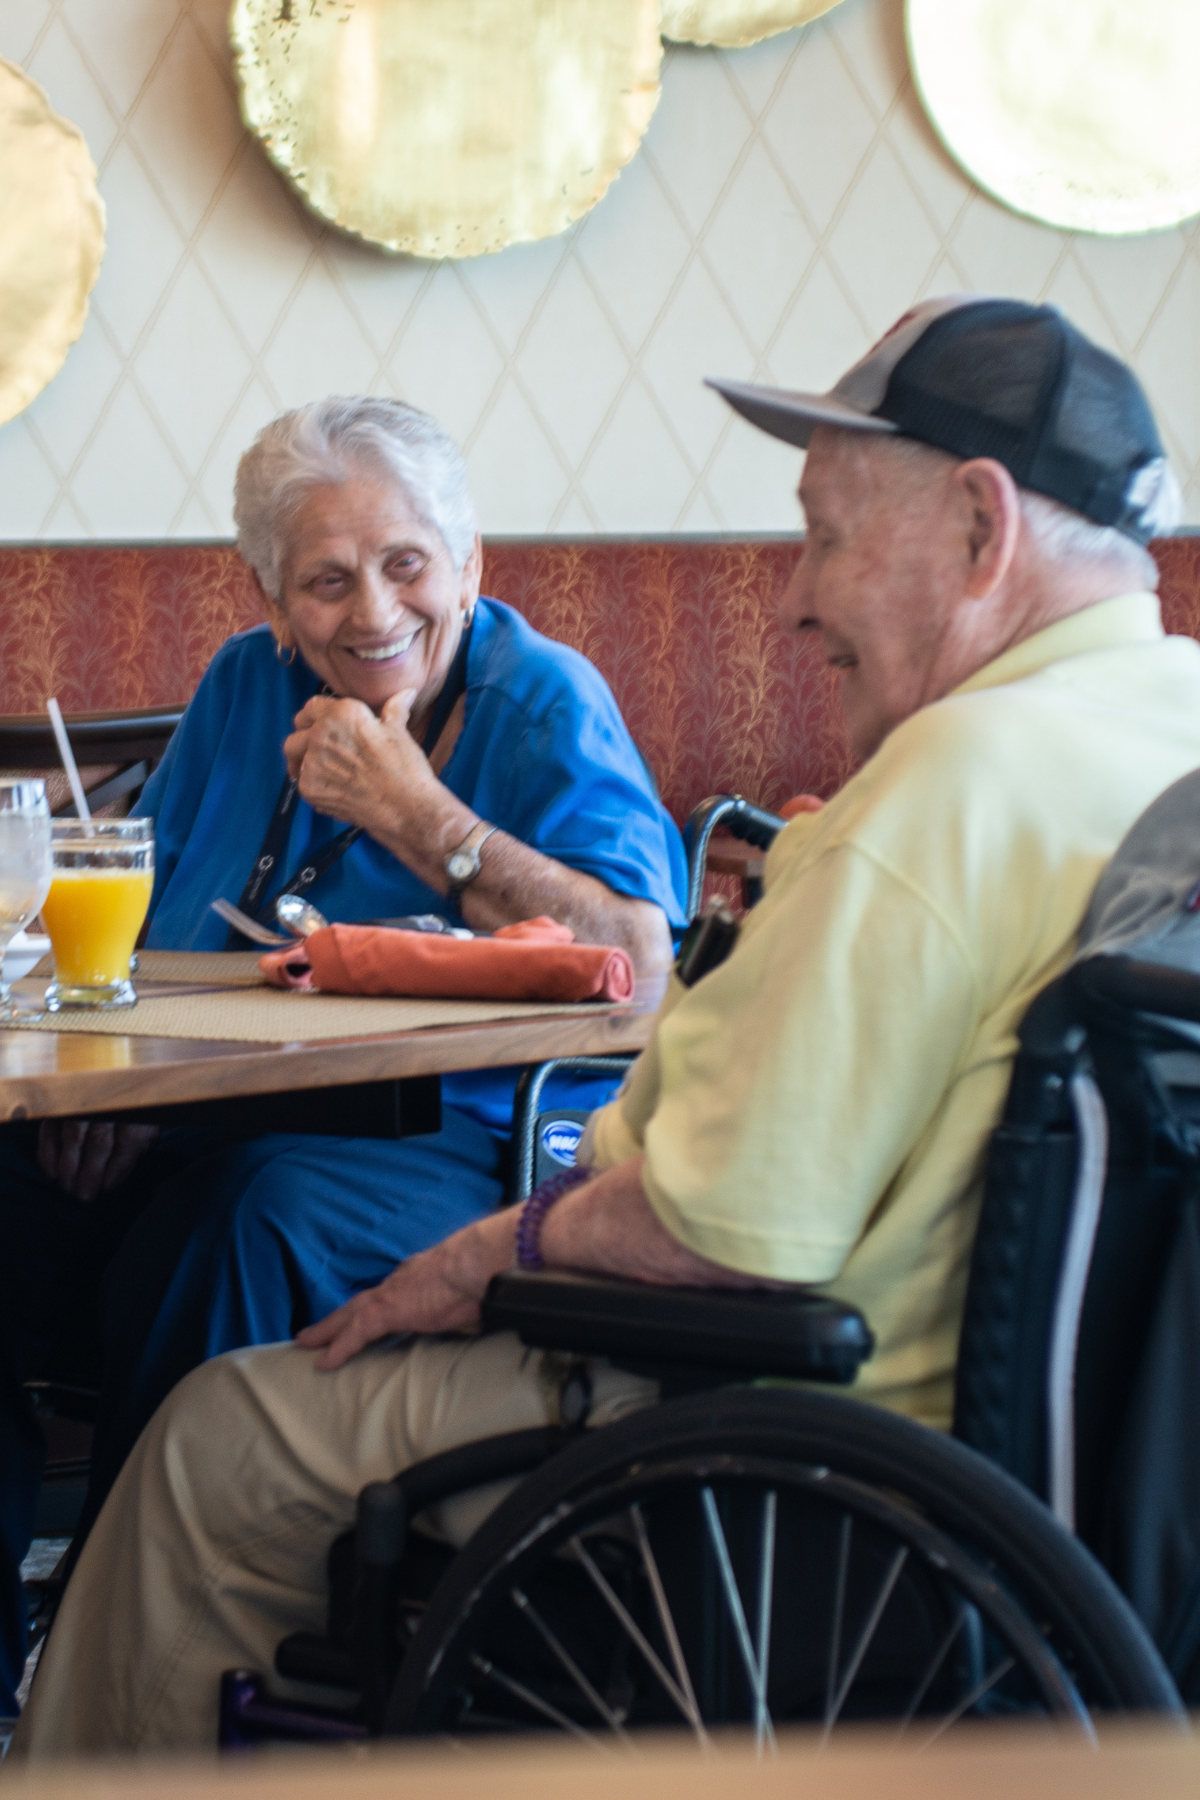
(701, 1346)
(1009, 1563)
(652, 1331)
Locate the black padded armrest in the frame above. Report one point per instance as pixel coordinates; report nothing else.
(743, 1332)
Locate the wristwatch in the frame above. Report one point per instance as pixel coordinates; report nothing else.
(463, 865)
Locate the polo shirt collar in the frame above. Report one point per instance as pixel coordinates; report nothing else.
(1108, 625)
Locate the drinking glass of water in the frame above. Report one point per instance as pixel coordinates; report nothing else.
(25, 867)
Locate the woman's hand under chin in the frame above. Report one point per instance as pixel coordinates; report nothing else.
(371, 771)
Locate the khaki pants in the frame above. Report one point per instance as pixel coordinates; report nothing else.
(212, 1544)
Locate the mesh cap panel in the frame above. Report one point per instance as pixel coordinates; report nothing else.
(1020, 384)
(980, 376)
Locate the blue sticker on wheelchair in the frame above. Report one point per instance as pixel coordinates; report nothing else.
(560, 1139)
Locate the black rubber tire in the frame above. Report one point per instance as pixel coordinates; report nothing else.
(975, 1503)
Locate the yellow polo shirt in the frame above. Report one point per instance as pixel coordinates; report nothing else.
(818, 1108)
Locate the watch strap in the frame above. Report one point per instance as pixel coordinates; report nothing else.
(470, 847)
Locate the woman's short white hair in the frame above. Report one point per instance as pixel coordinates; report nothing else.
(328, 441)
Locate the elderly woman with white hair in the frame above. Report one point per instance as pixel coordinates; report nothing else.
(389, 743)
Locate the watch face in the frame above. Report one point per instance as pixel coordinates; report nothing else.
(460, 865)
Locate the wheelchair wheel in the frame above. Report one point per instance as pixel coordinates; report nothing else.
(767, 1557)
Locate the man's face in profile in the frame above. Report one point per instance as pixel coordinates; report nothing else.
(879, 575)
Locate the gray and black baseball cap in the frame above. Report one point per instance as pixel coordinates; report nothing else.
(979, 376)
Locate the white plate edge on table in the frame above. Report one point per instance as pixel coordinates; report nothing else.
(24, 952)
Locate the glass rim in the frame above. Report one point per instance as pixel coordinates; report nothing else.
(87, 832)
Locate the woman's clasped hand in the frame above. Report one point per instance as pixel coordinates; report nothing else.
(371, 772)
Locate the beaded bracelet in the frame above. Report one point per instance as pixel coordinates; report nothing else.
(533, 1213)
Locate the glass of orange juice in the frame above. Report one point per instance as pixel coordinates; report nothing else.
(99, 895)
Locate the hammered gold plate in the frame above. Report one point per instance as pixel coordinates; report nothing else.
(448, 127)
(51, 238)
(1082, 113)
(736, 23)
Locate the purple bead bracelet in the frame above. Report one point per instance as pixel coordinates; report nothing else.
(533, 1214)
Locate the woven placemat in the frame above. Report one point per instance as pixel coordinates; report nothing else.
(191, 968)
(260, 1014)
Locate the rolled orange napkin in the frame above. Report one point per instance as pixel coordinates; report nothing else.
(536, 959)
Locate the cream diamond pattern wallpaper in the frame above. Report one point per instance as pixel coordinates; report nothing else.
(789, 200)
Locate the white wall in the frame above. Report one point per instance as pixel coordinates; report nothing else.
(788, 202)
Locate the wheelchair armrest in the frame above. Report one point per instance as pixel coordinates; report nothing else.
(731, 1331)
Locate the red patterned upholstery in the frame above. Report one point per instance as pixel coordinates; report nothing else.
(715, 694)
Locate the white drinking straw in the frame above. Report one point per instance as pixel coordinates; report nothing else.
(68, 760)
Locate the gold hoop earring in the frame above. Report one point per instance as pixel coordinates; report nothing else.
(290, 658)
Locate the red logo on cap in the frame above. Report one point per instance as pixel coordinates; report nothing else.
(891, 331)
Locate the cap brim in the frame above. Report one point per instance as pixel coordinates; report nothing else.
(793, 417)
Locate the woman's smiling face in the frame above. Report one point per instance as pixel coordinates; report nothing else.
(370, 593)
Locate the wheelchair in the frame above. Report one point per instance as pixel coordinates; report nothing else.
(757, 1549)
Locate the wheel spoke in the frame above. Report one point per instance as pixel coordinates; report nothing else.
(676, 1601)
(864, 1637)
(520, 1692)
(737, 1613)
(525, 1605)
(766, 1591)
(970, 1699)
(666, 1619)
(637, 1636)
(839, 1609)
(935, 1663)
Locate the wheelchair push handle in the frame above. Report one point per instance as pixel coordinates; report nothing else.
(740, 818)
(752, 824)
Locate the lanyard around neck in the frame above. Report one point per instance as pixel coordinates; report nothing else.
(273, 844)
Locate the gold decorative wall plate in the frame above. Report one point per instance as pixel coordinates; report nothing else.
(1082, 113)
(448, 127)
(736, 23)
(51, 238)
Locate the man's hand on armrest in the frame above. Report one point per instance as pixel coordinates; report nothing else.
(606, 1227)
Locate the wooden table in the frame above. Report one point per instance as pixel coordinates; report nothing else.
(63, 1074)
(978, 1763)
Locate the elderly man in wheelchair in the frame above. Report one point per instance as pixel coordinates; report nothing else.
(573, 1469)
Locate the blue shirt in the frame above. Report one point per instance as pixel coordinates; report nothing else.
(543, 753)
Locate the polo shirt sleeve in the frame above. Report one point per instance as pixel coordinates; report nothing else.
(784, 1093)
(576, 789)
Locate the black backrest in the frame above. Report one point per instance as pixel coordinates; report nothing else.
(135, 741)
(1151, 1172)
(1087, 1022)
(1000, 1404)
